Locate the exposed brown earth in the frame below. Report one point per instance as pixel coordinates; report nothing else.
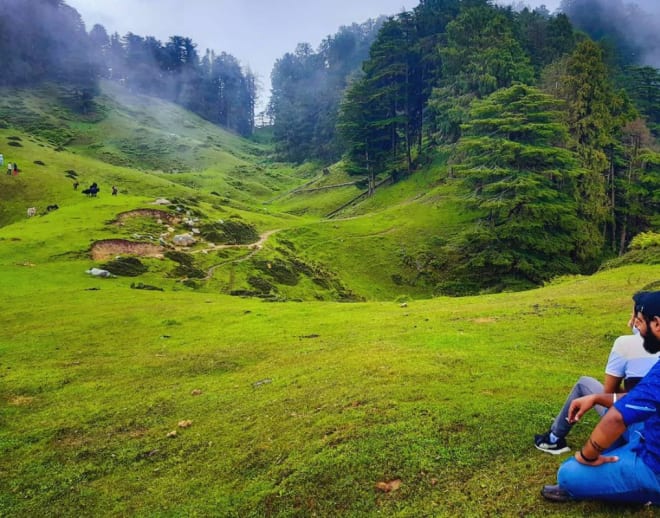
(111, 247)
(149, 213)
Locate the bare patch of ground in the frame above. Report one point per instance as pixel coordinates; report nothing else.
(21, 401)
(484, 320)
(112, 247)
(156, 214)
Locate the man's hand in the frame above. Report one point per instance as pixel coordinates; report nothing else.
(602, 459)
(579, 407)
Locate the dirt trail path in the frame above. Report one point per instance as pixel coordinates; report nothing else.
(253, 247)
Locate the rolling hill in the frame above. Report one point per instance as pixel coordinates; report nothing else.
(229, 377)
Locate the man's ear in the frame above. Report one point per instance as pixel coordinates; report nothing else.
(655, 325)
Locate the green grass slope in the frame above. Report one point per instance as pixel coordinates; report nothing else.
(180, 400)
(149, 135)
(126, 402)
(385, 247)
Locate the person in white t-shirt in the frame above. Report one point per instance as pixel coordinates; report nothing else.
(627, 364)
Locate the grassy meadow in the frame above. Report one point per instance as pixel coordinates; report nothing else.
(347, 391)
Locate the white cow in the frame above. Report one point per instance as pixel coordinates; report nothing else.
(32, 211)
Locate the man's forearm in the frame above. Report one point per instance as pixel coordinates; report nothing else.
(607, 399)
(606, 432)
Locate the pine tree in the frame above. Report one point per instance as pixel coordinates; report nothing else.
(482, 55)
(596, 114)
(521, 184)
(361, 126)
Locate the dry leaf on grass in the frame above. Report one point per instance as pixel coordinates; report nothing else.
(171, 434)
(185, 423)
(386, 487)
(196, 392)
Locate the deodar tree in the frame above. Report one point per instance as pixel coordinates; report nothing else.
(360, 126)
(481, 55)
(521, 184)
(596, 114)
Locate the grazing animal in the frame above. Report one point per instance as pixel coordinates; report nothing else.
(32, 211)
(52, 207)
(92, 190)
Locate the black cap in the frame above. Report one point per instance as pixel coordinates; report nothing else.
(647, 303)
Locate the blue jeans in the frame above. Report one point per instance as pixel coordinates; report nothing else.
(627, 480)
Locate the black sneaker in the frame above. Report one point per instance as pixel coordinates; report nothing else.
(555, 493)
(542, 442)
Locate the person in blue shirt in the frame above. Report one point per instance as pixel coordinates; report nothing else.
(631, 472)
(627, 364)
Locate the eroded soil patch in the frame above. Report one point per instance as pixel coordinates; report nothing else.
(112, 247)
(166, 217)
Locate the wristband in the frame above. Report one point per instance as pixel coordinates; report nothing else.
(587, 459)
(614, 398)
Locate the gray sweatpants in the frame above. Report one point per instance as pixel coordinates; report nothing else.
(583, 387)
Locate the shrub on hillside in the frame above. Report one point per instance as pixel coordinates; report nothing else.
(645, 240)
(279, 270)
(231, 232)
(189, 271)
(142, 286)
(643, 249)
(260, 285)
(180, 257)
(125, 267)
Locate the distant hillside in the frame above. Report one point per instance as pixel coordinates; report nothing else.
(261, 229)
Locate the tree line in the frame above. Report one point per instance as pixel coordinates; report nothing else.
(307, 88)
(551, 135)
(46, 41)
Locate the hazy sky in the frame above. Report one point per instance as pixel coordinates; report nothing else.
(256, 32)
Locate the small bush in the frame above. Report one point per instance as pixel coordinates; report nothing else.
(231, 232)
(125, 267)
(645, 240)
(189, 271)
(14, 144)
(39, 162)
(180, 257)
(142, 286)
(244, 293)
(259, 284)
(281, 271)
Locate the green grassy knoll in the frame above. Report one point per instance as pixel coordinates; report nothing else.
(156, 136)
(149, 135)
(294, 409)
(383, 248)
(47, 178)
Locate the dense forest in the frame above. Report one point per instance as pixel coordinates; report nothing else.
(550, 120)
(551, 127)
(46, 40)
